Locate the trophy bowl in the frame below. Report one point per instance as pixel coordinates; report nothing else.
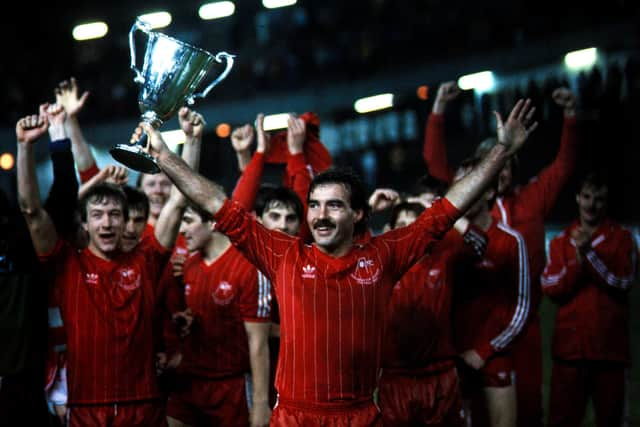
(171, 73)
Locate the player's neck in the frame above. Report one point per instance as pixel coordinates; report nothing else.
(218, 245)
(107, 256)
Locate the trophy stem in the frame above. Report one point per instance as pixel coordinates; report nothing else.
(134, 155)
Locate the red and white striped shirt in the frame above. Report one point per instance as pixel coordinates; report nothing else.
(222, 296)
(107, 308)
(332, 310)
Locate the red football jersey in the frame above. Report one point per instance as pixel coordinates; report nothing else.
(418, 333)
(332, 310)
(107, 308)
(222, 296)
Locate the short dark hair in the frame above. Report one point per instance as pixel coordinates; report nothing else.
(416, 208)
(270, 196)
(103, 192)
(355, 188)
(429, 184)
(136, 200)
(594, 179)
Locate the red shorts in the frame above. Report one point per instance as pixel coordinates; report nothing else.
(287, 414)
(126, 414)
(200, 401)
(430, 400)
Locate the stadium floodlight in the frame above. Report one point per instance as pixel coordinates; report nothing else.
(216, 10)
(273, 4)
(480, 82)
(90, 31)
(156, 19)
(373, 103)
(579, 59)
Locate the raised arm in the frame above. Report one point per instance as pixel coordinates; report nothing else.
(62, 197)
(434, 150)
(249, 182)
(43, 232)
(67, 96)
(542, 193)
(241, 140)
(511, 136)
(114, 174)
(168, 224)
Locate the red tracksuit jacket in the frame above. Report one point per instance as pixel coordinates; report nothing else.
(592, 321)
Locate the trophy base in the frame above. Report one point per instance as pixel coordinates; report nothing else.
(133, 157)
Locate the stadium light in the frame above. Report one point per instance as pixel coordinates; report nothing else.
(373, 103)
(579, 59)
(481, 82)
(215, 10)
(7, 161)
(90, 31)
(157, 19)
(273, 4)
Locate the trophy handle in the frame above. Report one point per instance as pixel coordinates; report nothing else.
(229, 60)
(142, 26)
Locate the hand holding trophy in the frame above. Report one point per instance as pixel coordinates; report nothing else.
(171, 73)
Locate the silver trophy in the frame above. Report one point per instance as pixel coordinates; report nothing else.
(171, 73)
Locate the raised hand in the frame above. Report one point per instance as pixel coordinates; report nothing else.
(155, 144)
(118, 175)
(296, 134)
(264, 139)
(515, 131)
(446, 92)
(565, 99)
(191, 122)
(383, 198)
(242, 137)
(67, 96)
(56, 116)
(30, 128)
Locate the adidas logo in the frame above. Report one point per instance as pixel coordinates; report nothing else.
(308, 272)
(91, 278)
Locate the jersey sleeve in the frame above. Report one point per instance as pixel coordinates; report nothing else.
(406, 245)
(542, 191)
(560, 278)
(434, 150)
(614, 265)
(299, 174)
(255, 298)
(263, 248)
(248, 184)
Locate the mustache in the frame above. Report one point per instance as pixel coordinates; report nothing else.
(323, 223)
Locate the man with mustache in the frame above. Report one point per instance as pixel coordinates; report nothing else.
(589, 274)
(333, 293)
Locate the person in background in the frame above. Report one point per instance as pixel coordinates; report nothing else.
(592, 265)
